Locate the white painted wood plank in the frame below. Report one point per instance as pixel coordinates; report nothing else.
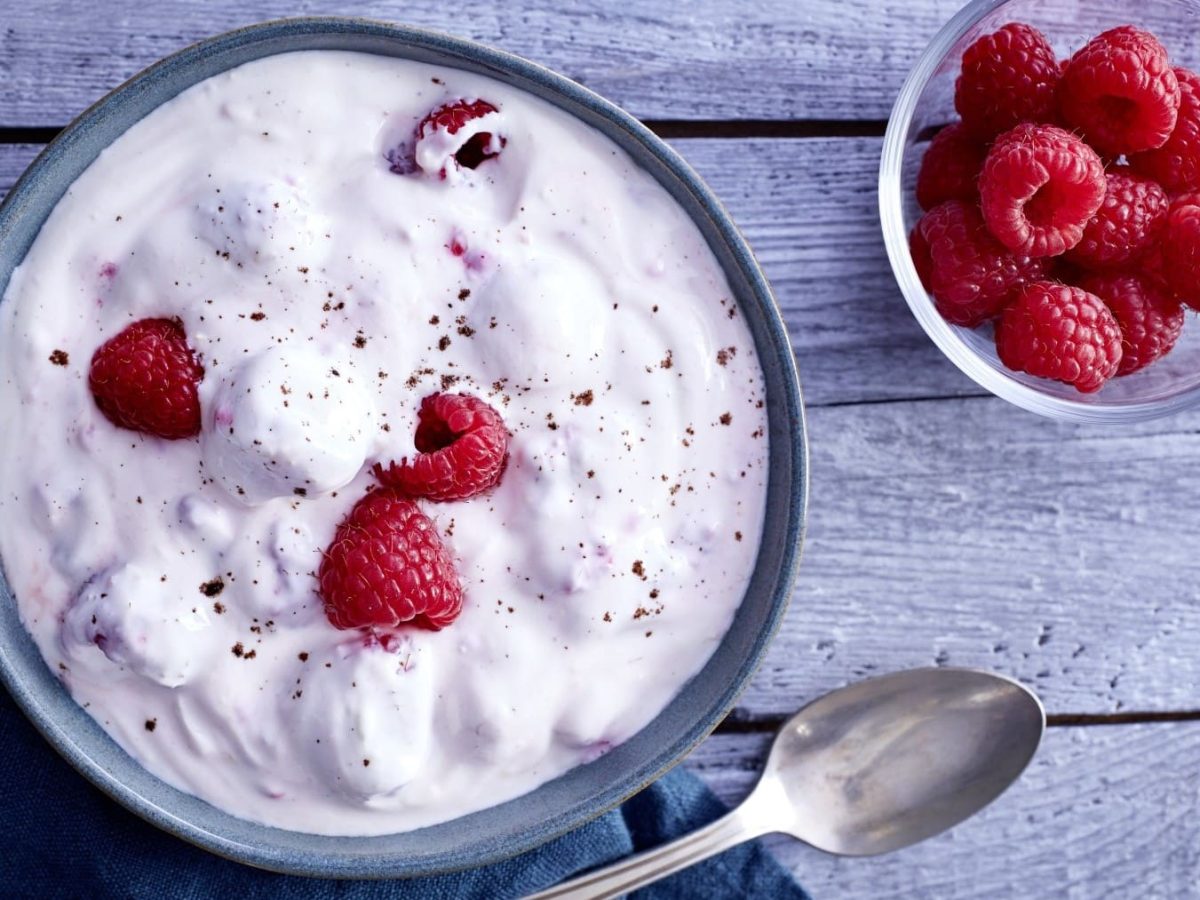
(706, 60)
(1101, 812)
(714, 59)
(808, 208)
(970, 533)
(13, 160)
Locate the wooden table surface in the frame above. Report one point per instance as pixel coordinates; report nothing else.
(946, 527)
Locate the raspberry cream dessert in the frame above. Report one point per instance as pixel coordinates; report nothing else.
(380, 442)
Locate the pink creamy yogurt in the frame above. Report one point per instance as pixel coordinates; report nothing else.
(170, 584)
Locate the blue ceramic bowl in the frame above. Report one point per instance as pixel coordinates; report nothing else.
(584, 792)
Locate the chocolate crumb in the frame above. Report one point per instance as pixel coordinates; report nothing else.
(583, 399)
(724, 356)
(654, 594)
(640, 613)
(434, 320)
(668, 361)
(250, 654)
(737, 535)
(591, 473)
(219, 608)
(464, 293)
(213, 587)
(303, 656)
(59, 357)
(151, 724)
(608, 617)
(257, 316)
(360, 340)
(443, 342)
(300, 492)
(366, 762)
(639, 569)
(726, 418)
(238, 650)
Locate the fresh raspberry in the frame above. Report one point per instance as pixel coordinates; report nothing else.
(1008, 77)
(1176, 164)
(918, 247)
(453, 116)
(1149, 317)
(1061, 332)
(1039, 187)
(145, 379)
(971, 276)
(462, 446)
(1181, 249)
(950, 169)
(1120, 92)
(1153, 265)
(1129, 221)
(387, 566)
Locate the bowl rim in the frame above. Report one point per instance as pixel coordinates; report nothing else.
(944, 335)
(456, 52)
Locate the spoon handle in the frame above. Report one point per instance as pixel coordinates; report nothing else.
(644, 868)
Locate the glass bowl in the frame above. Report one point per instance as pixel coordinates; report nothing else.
(926, 103)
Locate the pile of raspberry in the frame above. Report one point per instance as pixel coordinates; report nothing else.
(1065, 205)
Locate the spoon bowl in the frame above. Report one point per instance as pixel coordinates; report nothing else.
(867, 769)
(888, 762)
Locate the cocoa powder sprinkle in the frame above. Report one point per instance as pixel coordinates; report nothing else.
(213, 587)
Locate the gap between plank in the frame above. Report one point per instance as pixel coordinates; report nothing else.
(769, 724)
(28, 135)
(664, 128)
(766, 128)
(881, 401)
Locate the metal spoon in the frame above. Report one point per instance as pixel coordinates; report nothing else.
(867, 769)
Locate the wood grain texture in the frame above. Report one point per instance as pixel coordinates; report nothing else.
(809, 209)
(1101, 812)
(713, 59)
(959, 532)
(705, 60)
(969, 533)
(13, 160)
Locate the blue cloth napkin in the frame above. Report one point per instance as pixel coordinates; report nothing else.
(62, 838)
